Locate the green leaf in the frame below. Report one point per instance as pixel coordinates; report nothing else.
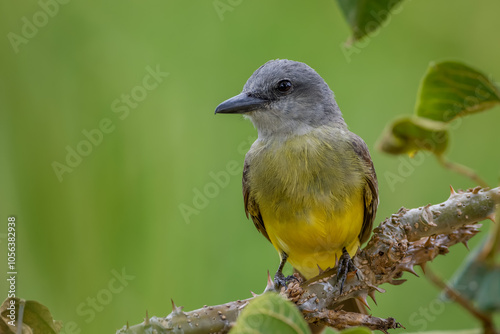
(36, 317)
(365, 16)
(270, 313)
(477, 280)
(454, 331)
(468, 278)
(412, 134)
(488, 296)
(451, 89)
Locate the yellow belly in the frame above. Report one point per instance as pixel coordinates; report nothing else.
(316, 236)
(309, 190)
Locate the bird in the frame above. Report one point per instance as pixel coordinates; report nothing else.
(309, 184)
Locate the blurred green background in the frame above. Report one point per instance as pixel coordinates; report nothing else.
(119, 209)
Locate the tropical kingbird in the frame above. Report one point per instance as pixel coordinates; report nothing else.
(309, 184)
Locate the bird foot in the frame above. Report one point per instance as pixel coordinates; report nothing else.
(344, 267)
(282, 280)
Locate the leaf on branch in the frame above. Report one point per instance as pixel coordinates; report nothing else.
(451, 89)
(365, 17)
(447, 91)
(477, 280)
(412, 134)
(271, 313)
(488, 298)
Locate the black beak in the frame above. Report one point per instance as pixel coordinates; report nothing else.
(240, 104)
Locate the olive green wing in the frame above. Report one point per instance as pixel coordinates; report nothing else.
(251, 206)
(371, 187)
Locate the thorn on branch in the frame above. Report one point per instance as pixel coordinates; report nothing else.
(372, 295)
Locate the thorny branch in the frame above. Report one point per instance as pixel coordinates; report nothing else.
(404, 240)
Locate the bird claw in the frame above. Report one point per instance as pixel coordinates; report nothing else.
(281, 280)
(344, 267)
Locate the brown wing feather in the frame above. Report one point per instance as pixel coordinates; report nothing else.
(251, 206)
(371, 188)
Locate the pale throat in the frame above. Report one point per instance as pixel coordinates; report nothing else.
(269, 128)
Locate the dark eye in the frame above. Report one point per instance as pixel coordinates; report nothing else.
(284, 85)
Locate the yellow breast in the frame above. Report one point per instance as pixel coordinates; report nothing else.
(317, 236)
(310, 194)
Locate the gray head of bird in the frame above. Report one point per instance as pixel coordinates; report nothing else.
(285, 97)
